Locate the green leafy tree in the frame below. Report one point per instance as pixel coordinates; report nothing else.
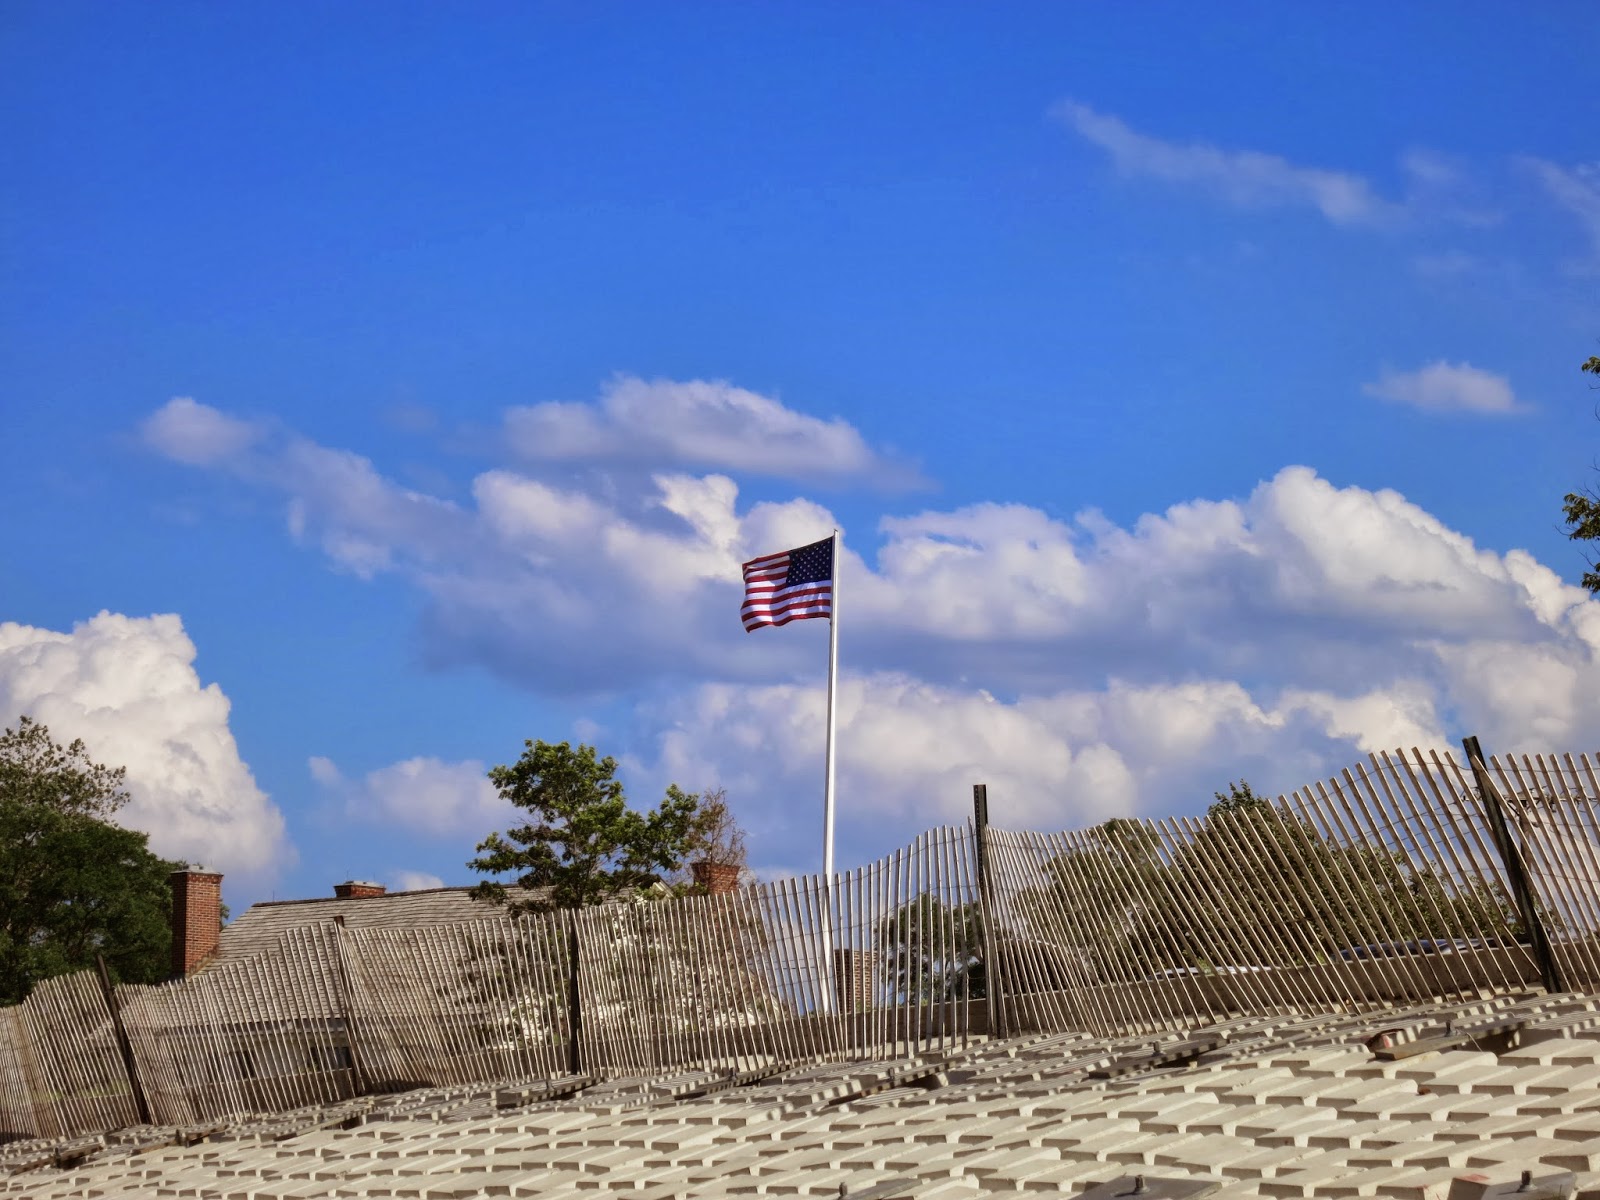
(933, 950)
(1238, 798)
(1099, 898)
(34, 769)
(1582, 509)
(72, 883)
(584, 844)
(1254, 886)
(1309, 899)
(715, 837)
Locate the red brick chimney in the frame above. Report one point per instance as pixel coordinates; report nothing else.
(196, 918)
(716, 878)
(355, 889)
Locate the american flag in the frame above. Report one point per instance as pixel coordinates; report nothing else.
(794, 585)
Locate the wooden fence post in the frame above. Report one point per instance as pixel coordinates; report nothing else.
(999, 1024)
(1516, 873)
(123, 1044)
(360, 1080)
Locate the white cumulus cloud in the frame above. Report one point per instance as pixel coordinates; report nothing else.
(1448, 387)
(698, 423)
(1091, 667)
(195, 433)
(569, 587)
(127, 686)
(910, 751)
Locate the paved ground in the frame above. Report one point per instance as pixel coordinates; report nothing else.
(1282, 1107)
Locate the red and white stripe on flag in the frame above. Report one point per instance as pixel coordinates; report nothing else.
(791, 586)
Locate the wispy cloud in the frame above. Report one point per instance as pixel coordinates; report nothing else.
(1441, 188)
(1576, 189)
(1448, 264)
(1448, 387)
(423, 795)
(1246, 178)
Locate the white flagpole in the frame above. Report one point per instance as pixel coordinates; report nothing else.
(830, 969)
(833, 675)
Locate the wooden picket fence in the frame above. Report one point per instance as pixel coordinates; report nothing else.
(61, 1072)
(1394, 883)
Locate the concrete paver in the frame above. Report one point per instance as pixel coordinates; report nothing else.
(1320, 1118)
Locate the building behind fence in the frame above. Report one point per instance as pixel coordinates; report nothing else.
(1395, 883)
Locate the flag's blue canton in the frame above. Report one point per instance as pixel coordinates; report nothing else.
(810, 564)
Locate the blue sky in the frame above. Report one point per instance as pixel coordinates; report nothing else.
(1195, 387)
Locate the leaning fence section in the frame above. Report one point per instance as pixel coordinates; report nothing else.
(678, 986)
(261, 1034)
(1380, 887)
(61, 1072)
(905, 964)
(881, 962)
(1409, 878)
(1555, 807)
(450, 1004)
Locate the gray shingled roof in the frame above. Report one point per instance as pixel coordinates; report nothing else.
(257, 930)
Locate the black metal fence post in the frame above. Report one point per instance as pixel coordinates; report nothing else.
(1516, 872)
(574, 1007)
(994, 996)
(141, 1109)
